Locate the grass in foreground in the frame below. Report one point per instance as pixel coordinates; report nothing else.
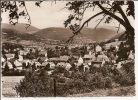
(120, 91)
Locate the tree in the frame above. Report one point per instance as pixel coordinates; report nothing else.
(109, 10)
(6, 69)
(16, 55)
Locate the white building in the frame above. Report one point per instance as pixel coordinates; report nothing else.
(98, 48)
(80, 60)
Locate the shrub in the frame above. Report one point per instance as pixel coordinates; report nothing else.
(41, 85)
(35, 86)
(127, 77)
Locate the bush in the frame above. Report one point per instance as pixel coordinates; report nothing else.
(127, 77)
(35, 86)
(41, 85)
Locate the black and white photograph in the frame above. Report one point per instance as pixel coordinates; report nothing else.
(62, 48)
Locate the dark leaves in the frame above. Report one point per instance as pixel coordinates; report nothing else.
(12, 7)
(22, 13)
(22, 3)
(130, 9)
(108, 19)
(68, 21)
(38, 3)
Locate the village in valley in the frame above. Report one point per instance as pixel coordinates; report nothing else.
(42, 62)
(16, 57)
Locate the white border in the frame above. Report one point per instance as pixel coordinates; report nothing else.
(98, 98)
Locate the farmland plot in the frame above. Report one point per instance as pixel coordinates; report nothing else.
(8, 84)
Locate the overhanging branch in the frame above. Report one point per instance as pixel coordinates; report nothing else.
(112, 15)
(76, 32)
(100, 21)
(124, 16)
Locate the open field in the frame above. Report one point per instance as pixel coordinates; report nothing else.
(8, 83)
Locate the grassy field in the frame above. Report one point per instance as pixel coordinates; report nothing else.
(128, 91)
(8, 83)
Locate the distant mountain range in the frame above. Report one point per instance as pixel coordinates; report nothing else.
(119, 36)
(99, 34)
(57, 33)
(11, 34)
(20, 27)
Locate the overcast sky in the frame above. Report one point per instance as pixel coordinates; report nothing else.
(52, 16)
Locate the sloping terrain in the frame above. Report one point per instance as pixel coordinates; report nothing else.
(119, 36)
(11, 33)
(99, 34)
(19, 27)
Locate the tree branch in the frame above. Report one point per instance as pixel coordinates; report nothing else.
(100, 21)
(118, 28)
(75, 33)
(71, 38)
(29, 19)
(87, 22)
(112, 15)
(124, 16)
(84, 9)
(63, 8)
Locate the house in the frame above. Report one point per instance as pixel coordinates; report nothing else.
(26, 61)
(60, 59)
(9, 65)
(21, 52)
(53, 59)
(44, 64)
(68, 66)
(17, 63)
(52, 65)
(116, 47)
(61, 64)
(42, 59)
(114, 44)
(88, 47)
(90, 52)
(86, 67)
(64, 58)
(20, 58)
(131, 55)
(73, 59)
(96, 63)
(9, 56)
(2, 59)
(98, 48)
(42, 54)
(101, 57)
(89, 58)
(100, 60)
(80, 60)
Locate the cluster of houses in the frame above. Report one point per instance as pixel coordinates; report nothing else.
(96, 56)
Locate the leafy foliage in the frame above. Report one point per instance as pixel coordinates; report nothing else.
(41, 85)
(14, 14)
